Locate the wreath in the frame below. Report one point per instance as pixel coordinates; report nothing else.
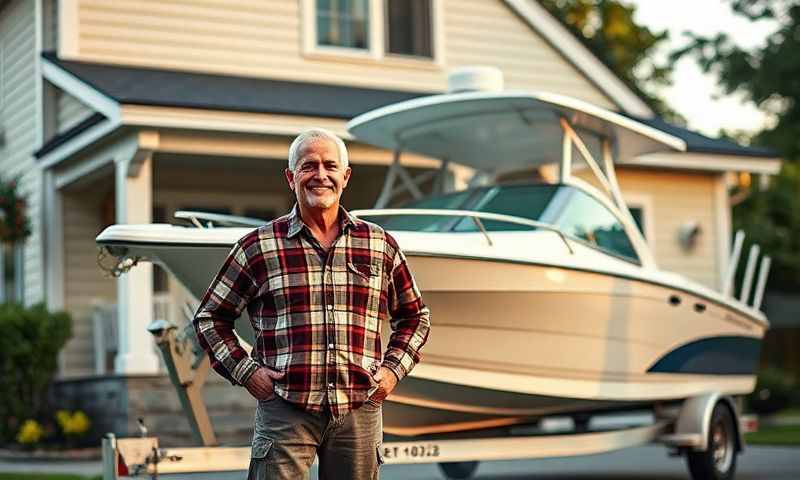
(14, 223)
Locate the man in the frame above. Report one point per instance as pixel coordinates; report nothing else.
(317, 284)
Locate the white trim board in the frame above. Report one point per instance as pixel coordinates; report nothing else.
(708, 162)
(54, 247)
(80, 142)
(79, 89)
(584, 60)
(227, 121)
(290, 125)
(81, 171)
(216, 121)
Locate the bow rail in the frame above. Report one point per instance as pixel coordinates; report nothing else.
(217, 219)
(476, 217)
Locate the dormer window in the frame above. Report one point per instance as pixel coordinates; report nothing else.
(373, 29)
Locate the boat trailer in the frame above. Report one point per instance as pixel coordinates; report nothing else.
(707, 429)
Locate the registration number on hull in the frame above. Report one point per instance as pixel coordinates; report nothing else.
(410, 451)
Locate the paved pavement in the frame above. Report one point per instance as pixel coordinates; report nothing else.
(74, 467)
(642, 463)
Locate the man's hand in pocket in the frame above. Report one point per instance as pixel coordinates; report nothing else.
(387, 380)
(260, 384)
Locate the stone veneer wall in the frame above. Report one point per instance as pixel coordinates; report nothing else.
(103, 399)
(114, 403)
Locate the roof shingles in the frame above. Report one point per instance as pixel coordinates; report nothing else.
(172, 88)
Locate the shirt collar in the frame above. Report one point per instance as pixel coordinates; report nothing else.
(296, 224)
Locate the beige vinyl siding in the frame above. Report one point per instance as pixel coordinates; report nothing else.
(481, 32)
(263, 39)
(677, 198)
(19, 118)
(70, 111)
(85, 285)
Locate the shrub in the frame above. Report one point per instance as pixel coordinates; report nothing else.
(30, 339)
(774, 391)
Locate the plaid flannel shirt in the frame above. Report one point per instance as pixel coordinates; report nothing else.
(317, 316)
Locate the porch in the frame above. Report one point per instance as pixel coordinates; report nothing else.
(145, 177)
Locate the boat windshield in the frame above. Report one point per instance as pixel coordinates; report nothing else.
(574, 212)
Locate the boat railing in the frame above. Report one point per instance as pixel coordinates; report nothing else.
(749, 272)
(217, 219)
(476, 217)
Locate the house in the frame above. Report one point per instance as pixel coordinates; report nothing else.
(126, 111)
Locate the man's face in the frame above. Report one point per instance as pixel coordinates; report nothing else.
(318, 179)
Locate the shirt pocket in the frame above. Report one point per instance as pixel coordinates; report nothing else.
(366, 271)
(365, 284)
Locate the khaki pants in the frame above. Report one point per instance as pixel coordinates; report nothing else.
(287, 438)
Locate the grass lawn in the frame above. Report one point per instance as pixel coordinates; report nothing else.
(788, 435)
(43, 476)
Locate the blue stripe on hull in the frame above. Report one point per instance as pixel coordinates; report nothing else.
(713, 356)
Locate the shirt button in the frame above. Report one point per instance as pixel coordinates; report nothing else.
(330, 307)
(330, 345)
(330, 384)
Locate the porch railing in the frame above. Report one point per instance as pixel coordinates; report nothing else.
(105, 329)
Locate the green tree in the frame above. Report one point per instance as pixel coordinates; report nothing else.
(608, 29)
(768, 76)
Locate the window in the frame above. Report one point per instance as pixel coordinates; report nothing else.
(373, 29)
(585, 218)
(641, 207)
(528, 201)
(638, 216)
(428, 223)
(576, 213)
(408, 27)
(343, 23)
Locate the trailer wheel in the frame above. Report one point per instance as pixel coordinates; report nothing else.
(458, 470)
(718, 462)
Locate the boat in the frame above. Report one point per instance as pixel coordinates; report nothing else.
(545, 297)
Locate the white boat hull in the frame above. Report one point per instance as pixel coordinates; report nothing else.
(516, 340)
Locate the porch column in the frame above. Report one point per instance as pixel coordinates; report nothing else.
(134, 204)
(54, 243)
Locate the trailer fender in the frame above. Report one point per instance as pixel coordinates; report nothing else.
(694, 421)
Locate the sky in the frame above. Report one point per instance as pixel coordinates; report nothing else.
(693, 92)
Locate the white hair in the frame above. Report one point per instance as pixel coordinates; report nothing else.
(316, 134)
